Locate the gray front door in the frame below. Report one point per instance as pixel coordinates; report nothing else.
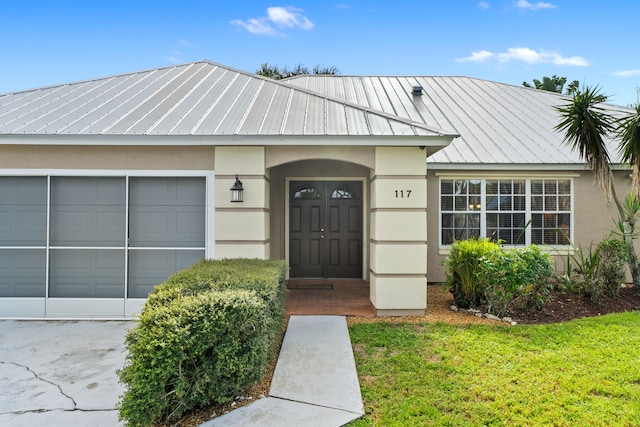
(325, 229)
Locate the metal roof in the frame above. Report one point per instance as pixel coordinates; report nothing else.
(195, 99)
(499, 124)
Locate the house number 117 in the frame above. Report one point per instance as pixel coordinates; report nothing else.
(401, 194)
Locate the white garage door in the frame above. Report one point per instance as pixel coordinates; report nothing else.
(95, 246)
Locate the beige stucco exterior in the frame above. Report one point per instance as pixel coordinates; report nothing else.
(394, 236)
(398, 275)
(242, 229)
(106, 157)
(401, 251)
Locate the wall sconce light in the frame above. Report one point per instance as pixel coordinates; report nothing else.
(236, 191)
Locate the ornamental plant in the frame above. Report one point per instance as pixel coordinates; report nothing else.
(462, 267)
(482, 274)
(202, 337)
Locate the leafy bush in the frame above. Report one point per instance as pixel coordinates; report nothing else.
(613, 256)
(482, 274)
(497, 279)
(203, 336)
(600, 271)
(462, 267)
(536, 271)
(518, 278)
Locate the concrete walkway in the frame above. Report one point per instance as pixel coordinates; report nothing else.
(63, 373)
(315, 381)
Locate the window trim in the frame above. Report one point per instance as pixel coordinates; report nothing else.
(528, 177)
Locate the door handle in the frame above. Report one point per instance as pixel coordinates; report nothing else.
(322, 236)
(322, 229)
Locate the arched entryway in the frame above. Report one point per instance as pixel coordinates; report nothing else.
(319, 218)
(393, 209)
(325, 229)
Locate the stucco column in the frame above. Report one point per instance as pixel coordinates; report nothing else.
(241, 229)
(398, 240)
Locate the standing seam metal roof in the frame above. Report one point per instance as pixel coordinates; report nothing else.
(499, 124)
(199, 98)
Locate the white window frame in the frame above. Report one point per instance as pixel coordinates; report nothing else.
(444, 249)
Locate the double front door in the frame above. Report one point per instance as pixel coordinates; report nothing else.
(325, 229)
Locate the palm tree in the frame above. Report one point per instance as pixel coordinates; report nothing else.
(585, 124)
(629, 133)
(277, 73)
(554, 84)
(573, 87)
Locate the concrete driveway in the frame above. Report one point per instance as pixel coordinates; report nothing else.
(61, 373)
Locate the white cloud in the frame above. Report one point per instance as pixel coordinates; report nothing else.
(477, 56)
(525, 54)
(342, 6)
(524, 4)
(484, 5)
(289, 17)
(277, 16)
(627, 73)
(258, 27)
(578, 61)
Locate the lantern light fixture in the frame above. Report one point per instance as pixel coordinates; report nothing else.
(236, 191)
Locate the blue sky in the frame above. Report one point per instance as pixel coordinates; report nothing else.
(596, 42)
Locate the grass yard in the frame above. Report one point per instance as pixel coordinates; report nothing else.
(582, 373)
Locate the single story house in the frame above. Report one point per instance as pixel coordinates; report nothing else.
(110, 185)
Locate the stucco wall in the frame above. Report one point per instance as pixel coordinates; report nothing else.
(593, 218)
(106, 157)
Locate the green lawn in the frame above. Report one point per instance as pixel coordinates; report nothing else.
(582, 373)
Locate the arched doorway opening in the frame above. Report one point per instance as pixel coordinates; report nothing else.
(319, 218)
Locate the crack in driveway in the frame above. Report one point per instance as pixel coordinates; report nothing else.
(43, 411)
(36, 376)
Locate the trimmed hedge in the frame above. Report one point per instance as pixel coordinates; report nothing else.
(203, 336)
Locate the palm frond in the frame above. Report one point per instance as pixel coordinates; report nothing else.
(584, 125)
(629, 148)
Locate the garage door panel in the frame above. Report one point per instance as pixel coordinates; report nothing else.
(189, 226)
(86, 273)
(148, 268)
(23, 225)
(170, 191)
(160, 217)
(23, 211)
(81, 191)
(22, 272)
(88, 211)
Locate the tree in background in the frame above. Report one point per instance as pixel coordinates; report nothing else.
(277, 73)
(585, 125)
(554, 84)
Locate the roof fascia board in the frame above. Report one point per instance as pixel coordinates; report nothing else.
(506, 167)
(518, 167)
(503, 174)
(431, 141)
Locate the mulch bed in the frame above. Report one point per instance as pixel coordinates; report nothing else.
(567, 306)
